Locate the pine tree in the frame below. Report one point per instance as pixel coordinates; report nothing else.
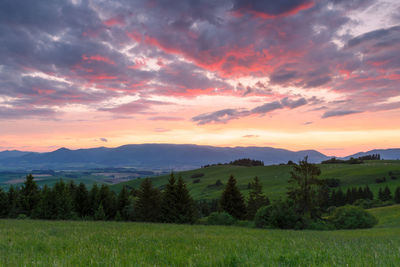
(3, 204)
(380, 195)
(184, 203)
(256, 199)
(94, 200)
(397, 195)
(63, 201)
(108, 201)
(368, 193)
(305, 187)
(46, 204)
(123, 202)
(81, 201)
(340, 198)
(232, 200)
(29, 196)
(387, 195)
(169, 201)
(148, 203)
(13, 196)
(100, 215)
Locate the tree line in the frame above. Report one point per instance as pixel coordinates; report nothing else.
(308, 198)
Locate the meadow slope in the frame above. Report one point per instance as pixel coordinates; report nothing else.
(274, 178)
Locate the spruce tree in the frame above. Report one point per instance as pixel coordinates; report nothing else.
(381, 195)
(397, 195)
(63, 201)
(99, 214)
(29, 196)
(81, 201)
(148, 203)
(46, 204)
(3, 204)
(184, 203)
(387, 195)
(123, 202)
(108, 201)
(169, 201)
(256, 199)
(13, 196)
(304, 188)
(232, 200)
(94, 200)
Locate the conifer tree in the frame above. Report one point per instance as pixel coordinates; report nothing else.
(368, 193)
(232, 200)
(63, 201)
(256, 199)
(387, 195)
(100, 215)
(94, 199)
(29, 196)
(81, 201)
(169, 201)
(397, 195)
(46, 204)
(123, 202)
(184, 203)
(148, 202)
(304, 189)
(108, 201)
(13, 197)
(3, 204)
(380, 195)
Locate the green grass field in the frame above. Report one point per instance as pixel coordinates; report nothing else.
(69, 243)
(274, 178)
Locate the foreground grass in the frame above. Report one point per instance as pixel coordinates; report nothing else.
(46, 243)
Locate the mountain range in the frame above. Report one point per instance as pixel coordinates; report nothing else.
(160, 156)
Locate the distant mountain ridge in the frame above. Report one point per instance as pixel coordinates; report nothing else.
(156, 156)
(162, 156)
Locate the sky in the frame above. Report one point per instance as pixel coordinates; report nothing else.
(293, 74)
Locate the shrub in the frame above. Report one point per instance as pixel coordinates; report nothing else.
(261, 219)
(197, 175)
(220, 218)
(352, 217)
(196, 181)
(22, 217)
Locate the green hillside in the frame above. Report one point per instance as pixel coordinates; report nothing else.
(274, 178)
(387, 216)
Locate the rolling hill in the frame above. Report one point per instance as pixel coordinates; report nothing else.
(274, 178)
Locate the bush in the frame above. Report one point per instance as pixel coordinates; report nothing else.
(352, 217)
(261, 219)
(22, 217)
(278, 215)
(220, 218)
(196, 181)
(197, 175)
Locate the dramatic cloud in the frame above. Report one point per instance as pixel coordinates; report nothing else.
(334, 113)
(225, 115)
(65, 60)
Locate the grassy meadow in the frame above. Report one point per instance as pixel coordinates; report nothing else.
(274, 178)
(71, 243)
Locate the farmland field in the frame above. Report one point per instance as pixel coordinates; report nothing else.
(70, 243)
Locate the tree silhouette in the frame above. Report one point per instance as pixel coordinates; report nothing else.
(232, 200)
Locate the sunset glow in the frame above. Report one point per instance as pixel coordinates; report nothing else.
(302, 74)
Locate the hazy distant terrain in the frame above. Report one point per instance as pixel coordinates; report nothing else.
(153, 156)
